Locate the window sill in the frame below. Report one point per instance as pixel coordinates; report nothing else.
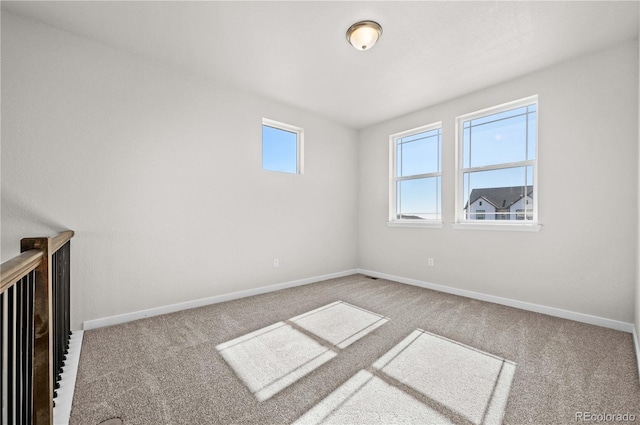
(500, 227)
(424, 224)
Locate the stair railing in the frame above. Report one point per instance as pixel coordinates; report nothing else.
(34, 328)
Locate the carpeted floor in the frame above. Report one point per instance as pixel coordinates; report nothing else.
(354, 350)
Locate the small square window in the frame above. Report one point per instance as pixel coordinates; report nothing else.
(281, 147)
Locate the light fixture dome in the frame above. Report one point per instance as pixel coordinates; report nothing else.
(364, 34)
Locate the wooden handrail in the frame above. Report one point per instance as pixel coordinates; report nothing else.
(60, 239)
(15, 269)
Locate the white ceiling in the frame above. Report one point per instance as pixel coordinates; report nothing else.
(296, 52)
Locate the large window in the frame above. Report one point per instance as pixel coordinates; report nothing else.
(416, 176)
(281, 147)
(497, 164)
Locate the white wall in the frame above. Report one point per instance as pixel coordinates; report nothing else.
(637, 298)
(588, 149)
(159, 174)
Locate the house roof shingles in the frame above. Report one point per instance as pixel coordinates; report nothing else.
(501, 197)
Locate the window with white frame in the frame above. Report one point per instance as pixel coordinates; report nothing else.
(416, 176)
(282, 147)
(497, 164)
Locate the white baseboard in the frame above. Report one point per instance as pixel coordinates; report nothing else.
(551, 311)
(62, 410)
(128, 317)
(637, 346)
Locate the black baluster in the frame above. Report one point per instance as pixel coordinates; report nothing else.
(11, 351)
(3, 348)
(30, 292)
(19, 351)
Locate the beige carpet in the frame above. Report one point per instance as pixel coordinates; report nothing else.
(354, 351)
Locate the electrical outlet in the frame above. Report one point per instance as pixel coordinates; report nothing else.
(430, 262)
(276, 262)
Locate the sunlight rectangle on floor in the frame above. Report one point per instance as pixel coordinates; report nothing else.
(468, 382)
(366, 399)
(272, 358)
(340, 323)
(424, 379)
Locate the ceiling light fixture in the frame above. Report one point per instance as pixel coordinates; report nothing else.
(364, 34)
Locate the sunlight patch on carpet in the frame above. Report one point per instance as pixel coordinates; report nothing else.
(469, 382)
(367, 399)
(272, 358)
(424, 379)
(340, 323)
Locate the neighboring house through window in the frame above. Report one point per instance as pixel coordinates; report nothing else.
(502, 203)
(497, 164)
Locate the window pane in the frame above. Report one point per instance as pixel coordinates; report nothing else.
(419, 199)
(498, 142)
(531, 138)
(419, 154)
(505, 194)
(399, 159)
(279, 150)
(466, 152)
(499, 116)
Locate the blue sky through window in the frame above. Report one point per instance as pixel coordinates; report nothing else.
(502, 138)
(504, 141)
(279, 150)
(419, 154)
(419, 198)
(499, 150)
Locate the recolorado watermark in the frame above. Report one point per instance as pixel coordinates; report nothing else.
(604, 417)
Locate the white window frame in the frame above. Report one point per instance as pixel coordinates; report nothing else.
(393, 220)
(517, 225)
(299, 131)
